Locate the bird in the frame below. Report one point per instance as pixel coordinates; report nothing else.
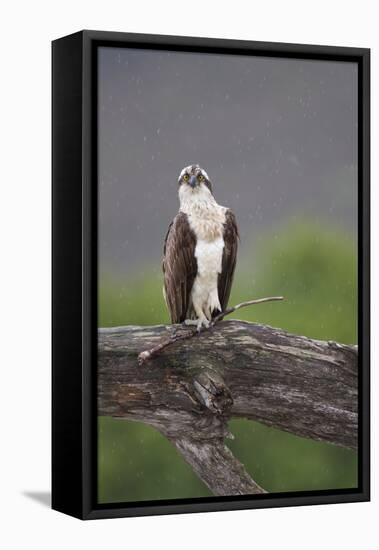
(199, 253)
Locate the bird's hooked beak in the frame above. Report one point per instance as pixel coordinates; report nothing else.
(193, 181)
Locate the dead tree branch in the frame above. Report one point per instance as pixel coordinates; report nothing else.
(175, 337)
(191, 389)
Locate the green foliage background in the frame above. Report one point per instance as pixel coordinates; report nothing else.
(315, 268)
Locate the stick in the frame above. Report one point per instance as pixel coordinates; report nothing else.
(230, 310)
(150, 353)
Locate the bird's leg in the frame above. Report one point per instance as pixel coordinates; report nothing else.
(190, 322)
(198, 323)
(201, 320)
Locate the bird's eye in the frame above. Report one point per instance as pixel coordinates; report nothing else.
(200, 177)
(186, 177)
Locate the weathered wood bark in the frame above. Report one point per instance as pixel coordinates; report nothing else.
(190, 391)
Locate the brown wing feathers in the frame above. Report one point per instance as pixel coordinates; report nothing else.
(229, 258)
(179, 267)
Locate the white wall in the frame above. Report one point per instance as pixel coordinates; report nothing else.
(27, 28)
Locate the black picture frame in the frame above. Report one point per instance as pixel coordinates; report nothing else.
(74, 273)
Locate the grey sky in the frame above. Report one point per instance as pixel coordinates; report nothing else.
(278, 138)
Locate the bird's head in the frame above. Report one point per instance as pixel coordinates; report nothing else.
(194, 181)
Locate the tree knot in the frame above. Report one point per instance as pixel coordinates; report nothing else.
(212, 392)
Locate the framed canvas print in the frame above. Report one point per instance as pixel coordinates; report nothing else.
(210, 274)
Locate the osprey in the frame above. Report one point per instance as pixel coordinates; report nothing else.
(200, 252)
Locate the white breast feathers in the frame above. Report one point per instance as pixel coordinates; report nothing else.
(206, 219)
